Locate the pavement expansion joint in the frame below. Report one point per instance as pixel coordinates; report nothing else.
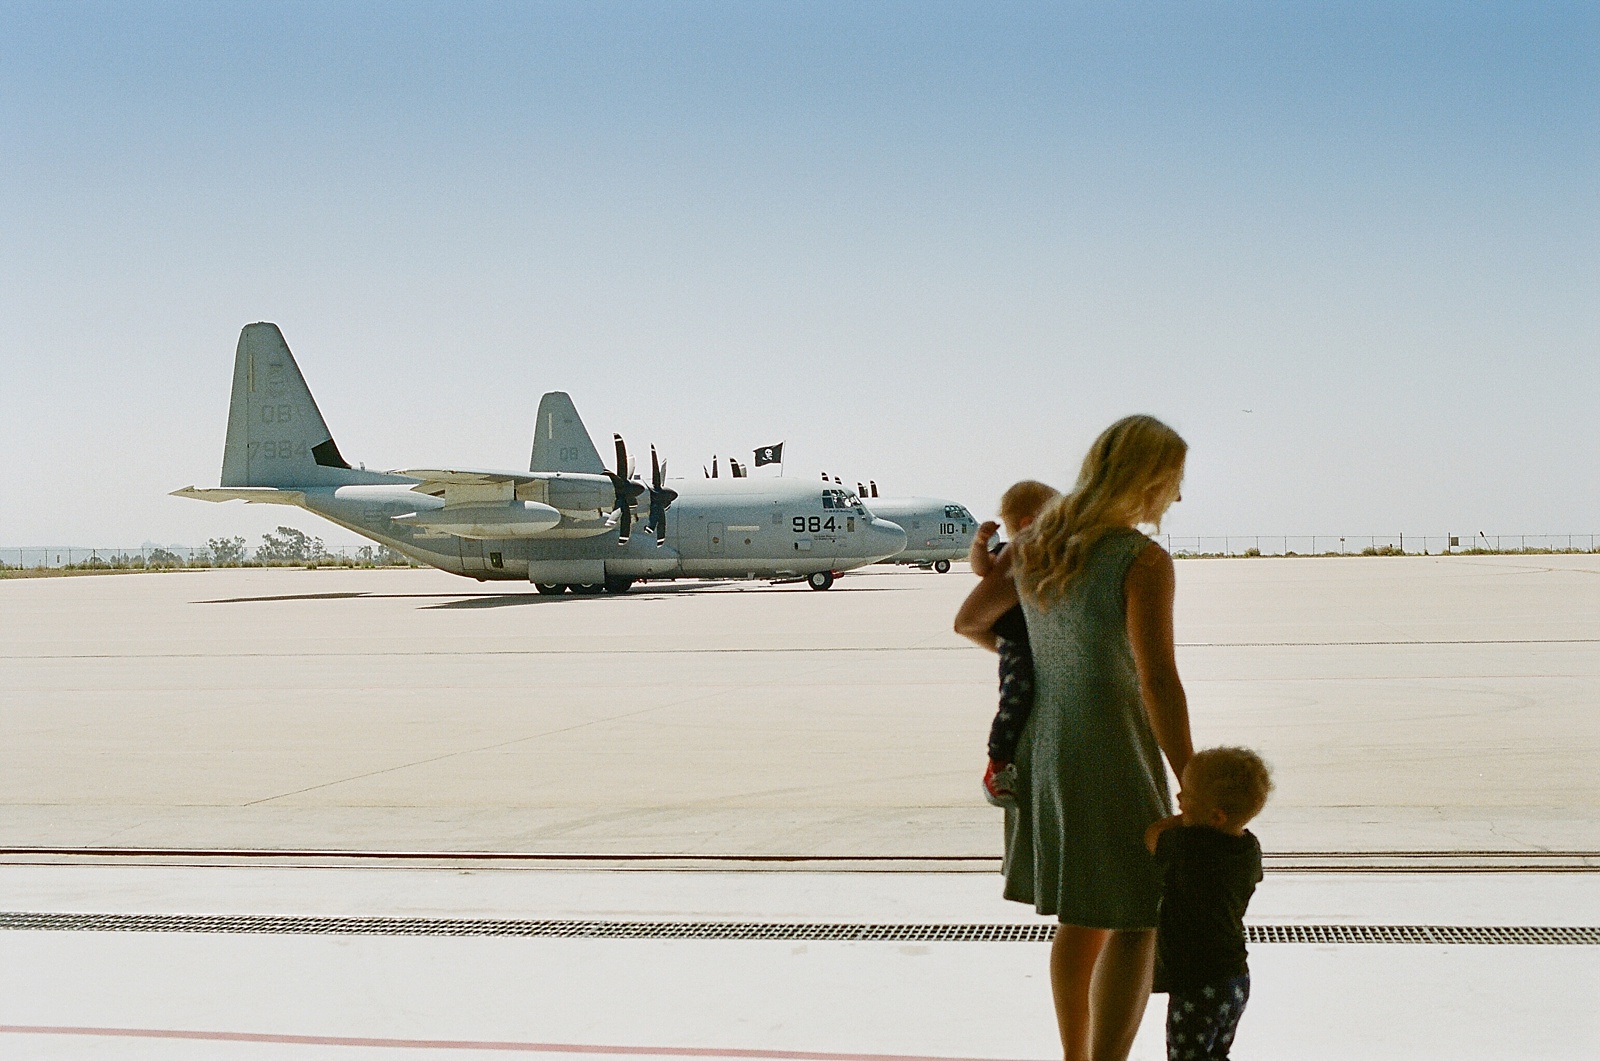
(1319, 862)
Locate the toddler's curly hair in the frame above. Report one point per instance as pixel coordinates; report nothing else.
(1237, 780)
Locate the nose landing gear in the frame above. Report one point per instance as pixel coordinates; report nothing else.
(820, 580)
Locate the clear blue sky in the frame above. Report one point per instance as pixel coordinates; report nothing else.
(935, 244)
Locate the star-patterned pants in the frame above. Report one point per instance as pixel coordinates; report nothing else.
(1201, 1023)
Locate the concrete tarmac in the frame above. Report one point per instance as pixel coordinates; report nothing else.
(204, 994)
(1406, 704)
(1432, 722)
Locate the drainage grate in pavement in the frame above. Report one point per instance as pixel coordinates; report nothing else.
(726, 930)
(1501, 934)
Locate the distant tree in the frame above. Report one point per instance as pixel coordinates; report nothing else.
(289, 546)
(226, 552)
(380, 556)
(164, 558)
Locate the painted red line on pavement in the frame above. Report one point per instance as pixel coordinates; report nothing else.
(464, 1044)
(459, 856)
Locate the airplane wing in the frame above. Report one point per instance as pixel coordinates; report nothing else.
(580, 497)
(266, 495)
(435, 481)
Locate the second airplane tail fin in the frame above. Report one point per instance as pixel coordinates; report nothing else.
(276, 435)
(560, 441)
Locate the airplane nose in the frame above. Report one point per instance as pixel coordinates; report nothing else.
(887, 538)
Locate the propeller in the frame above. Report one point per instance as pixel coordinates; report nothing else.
(713, 466)
(660, 497)
(626, 492)
(873, 484)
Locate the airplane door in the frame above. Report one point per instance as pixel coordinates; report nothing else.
(472, 558)
(715, 533)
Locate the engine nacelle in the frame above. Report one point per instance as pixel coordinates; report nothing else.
(510, 519)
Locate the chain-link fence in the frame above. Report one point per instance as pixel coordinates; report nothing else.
(157, 557)
(173, 557)
(1378, 544)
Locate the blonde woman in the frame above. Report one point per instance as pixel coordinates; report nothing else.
(1097, 595)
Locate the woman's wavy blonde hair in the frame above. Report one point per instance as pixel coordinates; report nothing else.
(1130, 475)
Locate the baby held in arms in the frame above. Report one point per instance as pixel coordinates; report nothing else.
(1019, 505)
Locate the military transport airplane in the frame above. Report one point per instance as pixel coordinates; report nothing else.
(568, 522)
(937, 531)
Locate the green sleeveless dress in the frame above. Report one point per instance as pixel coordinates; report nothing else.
(1090, 778)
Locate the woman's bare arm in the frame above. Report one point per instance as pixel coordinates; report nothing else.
(993, 596)
(1150, 587)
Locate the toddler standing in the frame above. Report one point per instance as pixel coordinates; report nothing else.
(1210, 865)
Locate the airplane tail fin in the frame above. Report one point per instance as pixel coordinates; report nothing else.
(276, 435)
(560, 441)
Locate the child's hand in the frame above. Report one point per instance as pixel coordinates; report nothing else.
(982, 563)
(1153, 834)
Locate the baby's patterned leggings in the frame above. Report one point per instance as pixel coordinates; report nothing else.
(1201, 1023)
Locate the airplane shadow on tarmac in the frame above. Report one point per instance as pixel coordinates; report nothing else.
(505, 600)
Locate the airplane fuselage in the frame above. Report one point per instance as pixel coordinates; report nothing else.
(716, 528)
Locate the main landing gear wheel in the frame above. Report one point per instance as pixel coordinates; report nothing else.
(820, 580)
(550, 589)
(617, 585)
(589, 589)
(941, 566)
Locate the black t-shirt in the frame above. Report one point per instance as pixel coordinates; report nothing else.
(1013, 626)
(1207, 878)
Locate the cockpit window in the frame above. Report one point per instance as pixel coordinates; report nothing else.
(840, 499)
(955, 512)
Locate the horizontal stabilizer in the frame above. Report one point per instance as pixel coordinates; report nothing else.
(265, 495)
